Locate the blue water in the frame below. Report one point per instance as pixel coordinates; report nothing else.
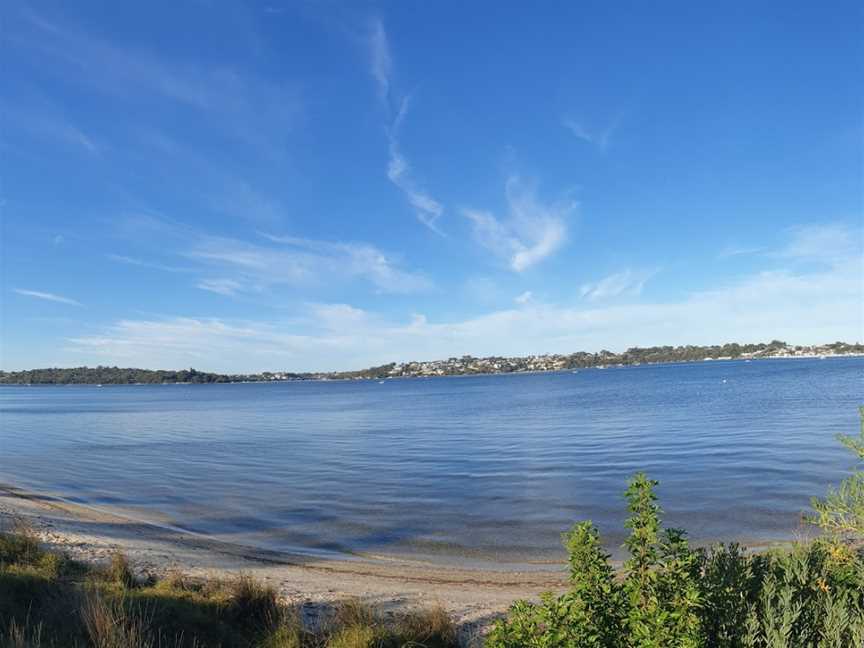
(487, 469)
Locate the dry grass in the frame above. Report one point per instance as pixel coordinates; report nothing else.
(175, 580)
(20, 545)
(289, 632)
(355, 636)
(355, 624)
(427, 627)
(22, 636)
(252, 603)
(112, 623)
(47, 601)
(352, 612)
(120, 572)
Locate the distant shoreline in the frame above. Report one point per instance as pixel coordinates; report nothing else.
(325, 378)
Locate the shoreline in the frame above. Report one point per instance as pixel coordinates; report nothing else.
(471, 596)
(452, 375)
(92, 534)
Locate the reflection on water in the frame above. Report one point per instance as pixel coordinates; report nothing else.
(480, 468)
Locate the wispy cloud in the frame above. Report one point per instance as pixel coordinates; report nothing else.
(298, 261)
(829, 243)
(802, 307)
(381, 64)
(227, 287)
(38, 118)
(532, 232)
(71, 134)
(47, 296)
(399, 172)
(268, 261)
(525, 298)
(180, 341)
(481, 291)
(227, 187)
(627, 283)
(601, 138)
(738, 250)
(120, 258)
(237, 104)
(427, 209)
(239, 199)
(338, 317)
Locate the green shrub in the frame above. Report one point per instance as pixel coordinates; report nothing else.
(841, 513)
(729, 582)
(809, 596)
(660, 586)
(655, 606)
(589, 615)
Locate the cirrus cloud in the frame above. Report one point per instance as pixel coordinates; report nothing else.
(812, 306)
(399, 172)
(625, 283)
(532, 232)
(289, 260)
(46, 296)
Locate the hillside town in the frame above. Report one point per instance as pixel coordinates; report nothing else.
(467, 365)
(461, 366)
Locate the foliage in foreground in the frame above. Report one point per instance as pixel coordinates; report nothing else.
(841, 513)
(48, 601)
(670, 595)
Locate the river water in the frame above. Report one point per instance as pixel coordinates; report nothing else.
(483, 470)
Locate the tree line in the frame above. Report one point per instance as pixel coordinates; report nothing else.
(455, 366)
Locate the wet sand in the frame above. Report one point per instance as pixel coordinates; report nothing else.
(473, 597)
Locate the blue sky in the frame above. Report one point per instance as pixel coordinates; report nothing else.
(306, 186)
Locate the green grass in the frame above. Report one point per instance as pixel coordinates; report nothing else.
(49, 601)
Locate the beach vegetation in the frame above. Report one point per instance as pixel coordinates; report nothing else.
(670, 594)
(50, 601)
(841, 512)
(120, 572)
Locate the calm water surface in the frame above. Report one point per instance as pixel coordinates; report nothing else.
(479, 469)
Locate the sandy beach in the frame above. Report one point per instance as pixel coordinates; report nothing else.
(472, 597)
